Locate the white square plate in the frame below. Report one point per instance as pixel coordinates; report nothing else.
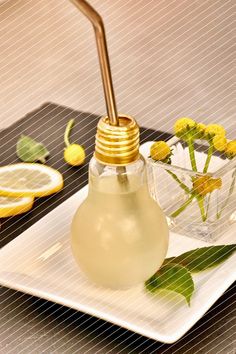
(39, 262)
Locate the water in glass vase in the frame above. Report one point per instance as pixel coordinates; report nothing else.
(119, 234)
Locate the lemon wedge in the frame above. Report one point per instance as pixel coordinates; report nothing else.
(10, 206)
(29, 179)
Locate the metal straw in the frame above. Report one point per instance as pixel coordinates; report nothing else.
(100, 35)
(105, 67)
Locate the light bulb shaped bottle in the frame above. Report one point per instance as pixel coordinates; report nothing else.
(119, 234)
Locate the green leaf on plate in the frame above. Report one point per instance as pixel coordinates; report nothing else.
(29, 150)
(203, 258)
(173, 277)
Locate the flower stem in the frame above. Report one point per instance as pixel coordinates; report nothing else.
(209, 155)
(67, 132)
(192, 154)
(200, 200)
(182, 207)
(181, 184)
(208, 205)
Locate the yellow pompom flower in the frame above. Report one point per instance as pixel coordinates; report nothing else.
(215, 129)
(219, 142)
(214, 183)
(74, 155)
(231, 149)
(205, 184)
(201, 127)
(184, 125)
(200, 131)
(160, 151)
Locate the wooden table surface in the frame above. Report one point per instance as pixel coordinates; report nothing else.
(33, 325)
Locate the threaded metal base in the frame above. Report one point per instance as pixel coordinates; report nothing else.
(117, 145)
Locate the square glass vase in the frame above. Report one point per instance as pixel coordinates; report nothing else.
(172, 185)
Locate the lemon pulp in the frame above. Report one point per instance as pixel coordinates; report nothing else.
(10, 206)
(26, 179)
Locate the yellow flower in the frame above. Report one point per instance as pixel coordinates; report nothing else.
(205, 184)
(184, 125)
(214, 183)
(215, 129)
(219, 142)
(201, 127)
(200, 130)
(160, 151)
(74, 155)
(231, 149)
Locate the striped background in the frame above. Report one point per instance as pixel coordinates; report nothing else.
(169, 58)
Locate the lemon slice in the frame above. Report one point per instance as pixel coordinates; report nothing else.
(10, 206)
(29, 179)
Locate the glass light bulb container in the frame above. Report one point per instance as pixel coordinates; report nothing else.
(119, 234)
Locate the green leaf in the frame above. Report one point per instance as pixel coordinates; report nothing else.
(203, 258)
(173, 277)
(29, 150)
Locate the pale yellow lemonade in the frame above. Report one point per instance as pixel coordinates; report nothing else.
(119, 234)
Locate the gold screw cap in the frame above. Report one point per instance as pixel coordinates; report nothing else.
(117, 145)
